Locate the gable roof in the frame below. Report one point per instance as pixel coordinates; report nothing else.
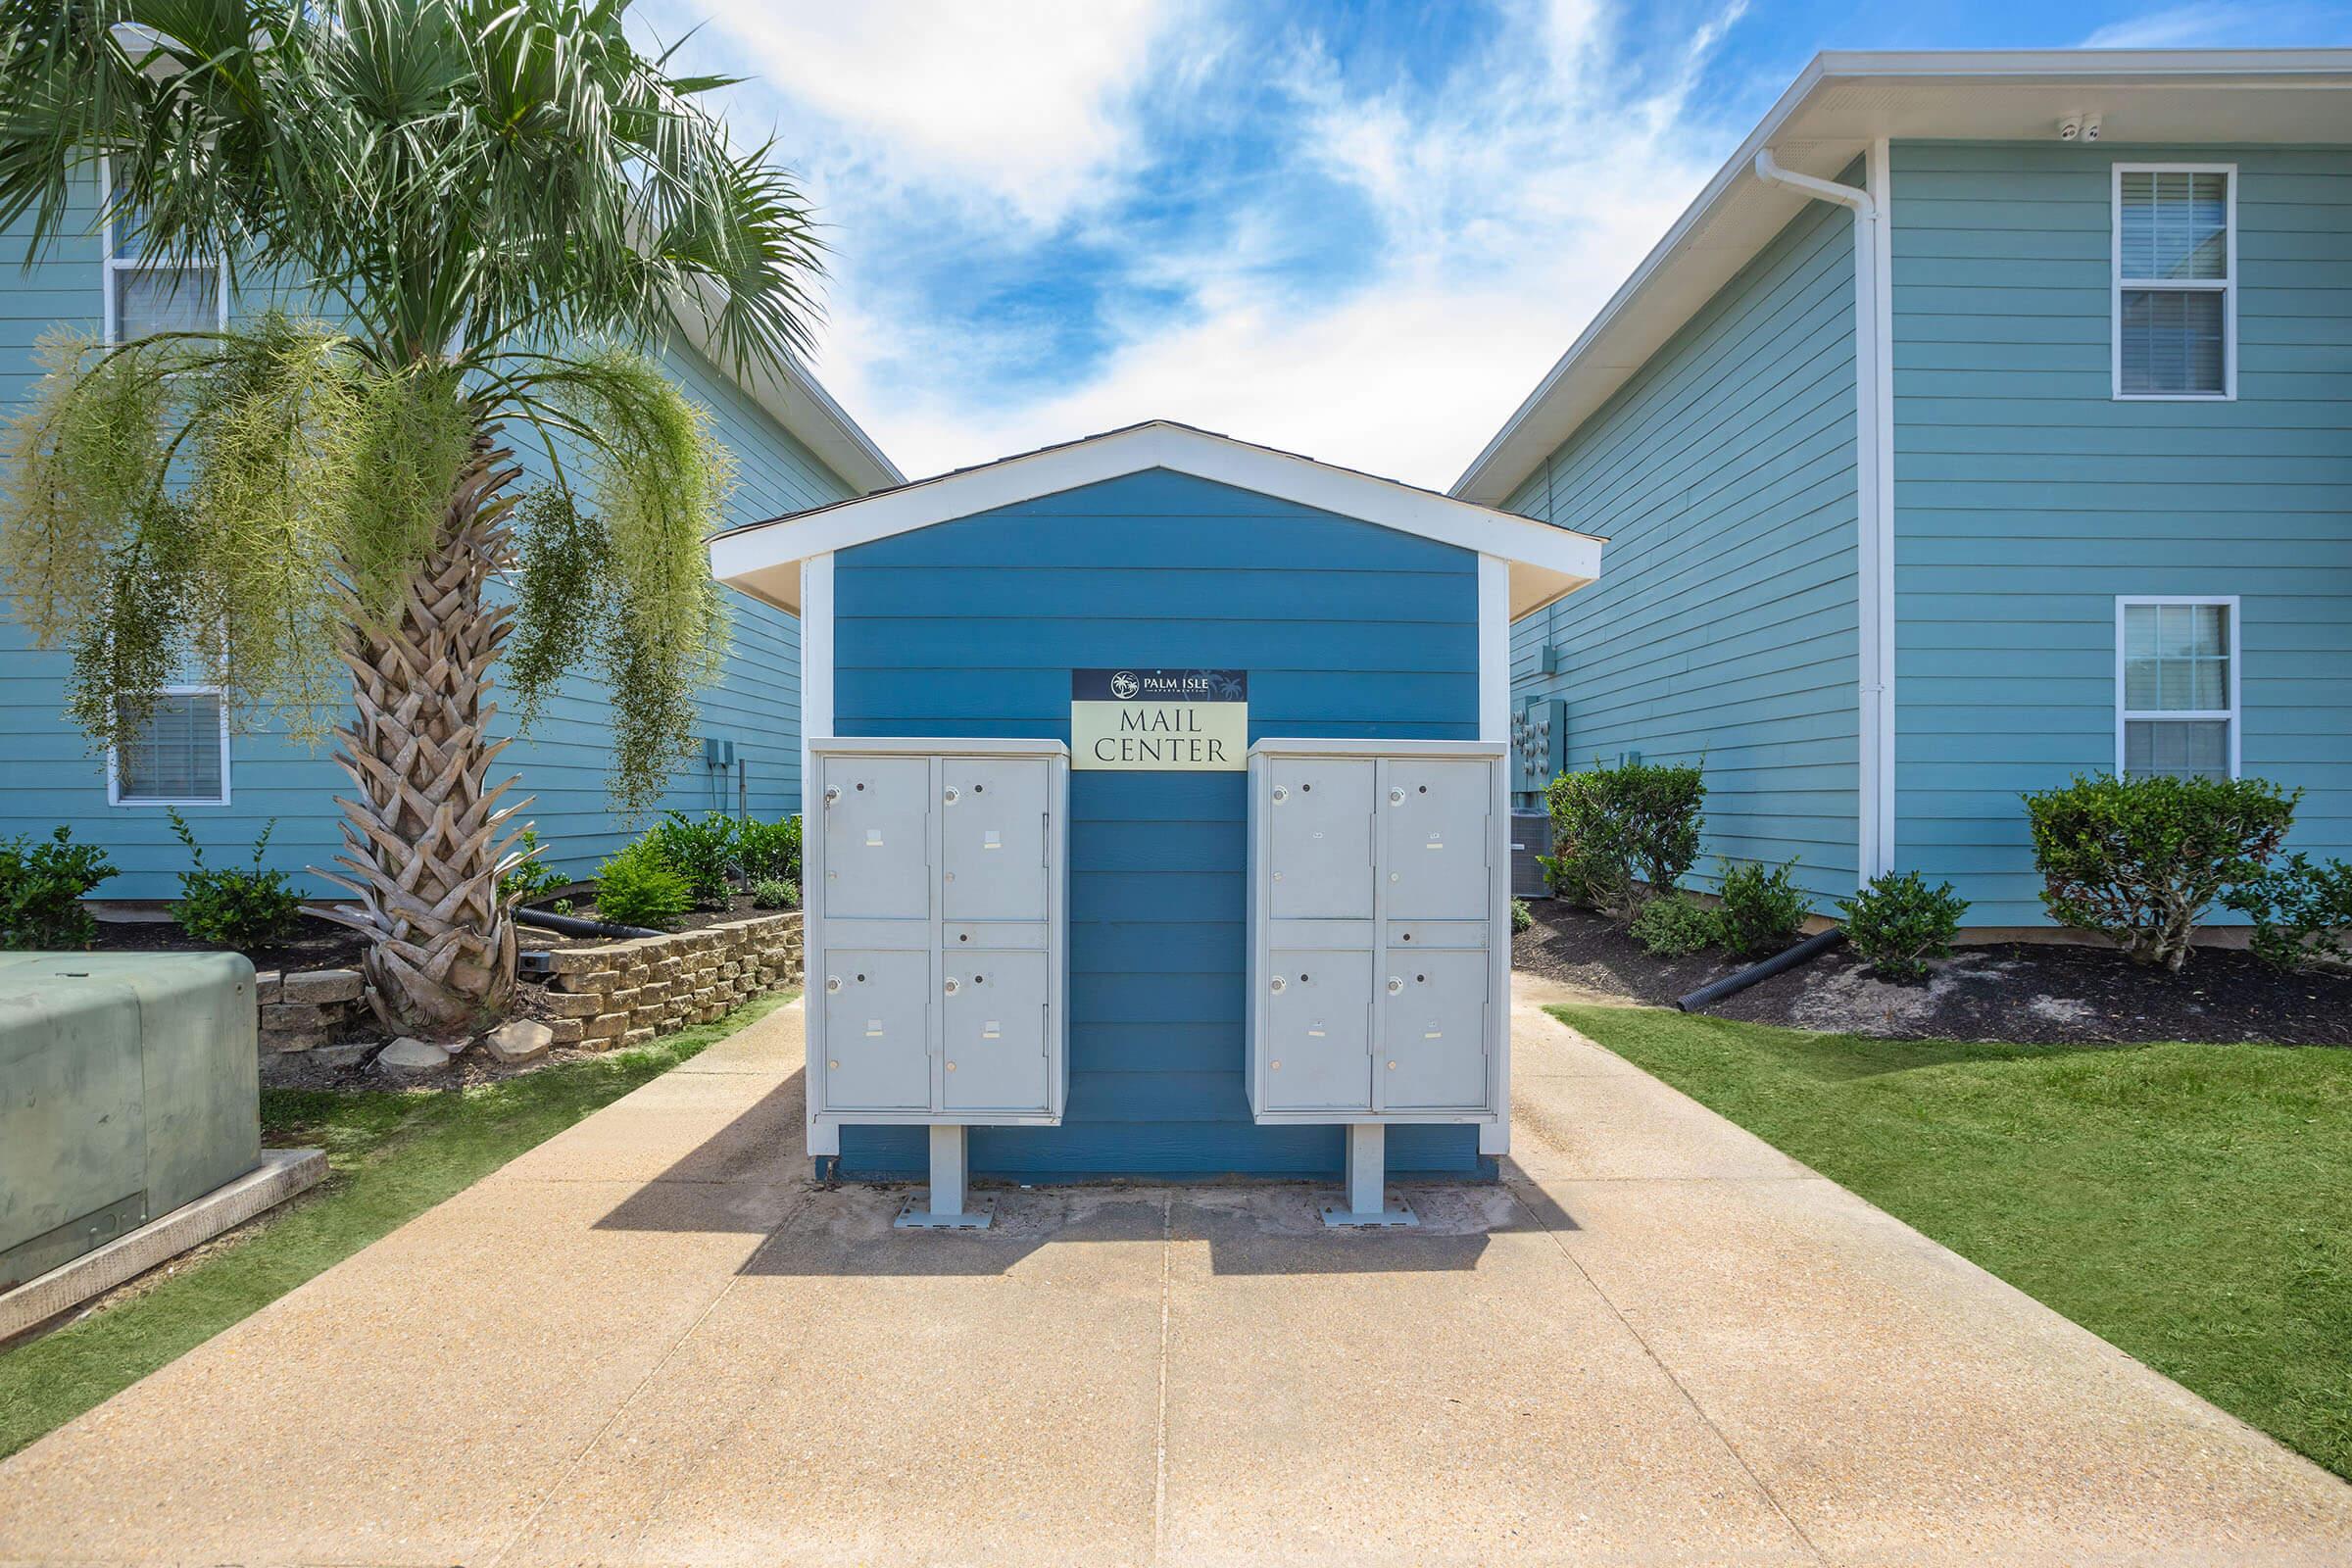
(1546, 563)
(797, 401)
(1841, 104)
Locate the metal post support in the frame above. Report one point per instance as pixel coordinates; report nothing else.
(945, 1208)
(1367, 1181)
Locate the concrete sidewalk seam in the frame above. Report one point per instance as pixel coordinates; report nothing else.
(530, 1522)
(1519, 1196)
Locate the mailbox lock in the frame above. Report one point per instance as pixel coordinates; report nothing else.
(1395, 985)
(950, 1066)
(832, 982)
(832, 792)
(1282, 792)
(1397, 797)
(1277, 983)
(1392, 1066)
(953, 795)
(954, 985)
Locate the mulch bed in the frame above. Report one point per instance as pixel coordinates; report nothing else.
(2029, 993)
(538, 939)
(313, 944)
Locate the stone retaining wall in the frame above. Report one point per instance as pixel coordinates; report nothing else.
(620, 994)
(308, 1007)
(626, 993)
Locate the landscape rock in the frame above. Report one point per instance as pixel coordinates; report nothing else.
(519, 1040)
(321, 986)
(349, 1054)
(413, 1056)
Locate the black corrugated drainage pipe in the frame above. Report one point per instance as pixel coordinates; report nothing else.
(572, 926)
(1805, 952)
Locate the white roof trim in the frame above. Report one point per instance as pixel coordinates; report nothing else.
(1546, 563)
(1842, 102)
(798, 402)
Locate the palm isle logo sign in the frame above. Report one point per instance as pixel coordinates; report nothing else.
(1159, 721)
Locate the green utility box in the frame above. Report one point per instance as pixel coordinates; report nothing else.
(129, 1085)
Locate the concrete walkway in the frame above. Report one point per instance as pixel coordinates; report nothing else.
(1659, 1340)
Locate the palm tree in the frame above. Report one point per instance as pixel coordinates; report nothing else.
(470, 220)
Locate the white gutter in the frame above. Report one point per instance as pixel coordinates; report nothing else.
(1873, 492)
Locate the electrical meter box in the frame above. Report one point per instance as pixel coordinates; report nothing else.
(128, 1089)
(936, 923)
(1379, 914)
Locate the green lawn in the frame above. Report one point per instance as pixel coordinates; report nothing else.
(2189, 1203)
(391, 1156)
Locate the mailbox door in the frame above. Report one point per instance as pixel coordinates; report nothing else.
(1433, 1031)
(996, 1032)
(876, 863)
(992, 815)
(1319, 838)
(875, 1053)
(1317, 1041)
(1433, 816)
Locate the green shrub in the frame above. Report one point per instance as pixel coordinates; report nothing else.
(1760, 909)
(769, 850)
(1898, 923)
(703, 853)
(637, 887)
(530, 879)
(775, 892)
(236, 906)
(1522, 917)
(41, 888)
(1675, 925)
(2301, 912)
(1622, 835)
(559, 906)
(2142, 859)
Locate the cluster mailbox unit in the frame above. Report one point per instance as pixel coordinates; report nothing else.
(1379, 959)
(936, 919)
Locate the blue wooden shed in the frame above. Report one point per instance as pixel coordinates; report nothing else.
(967, 606)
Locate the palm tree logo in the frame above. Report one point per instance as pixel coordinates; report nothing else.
(1124, 686)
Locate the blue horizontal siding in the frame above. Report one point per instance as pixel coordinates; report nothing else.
(1723, 627)
(2028, 499)
(973, 626)
(54, 778)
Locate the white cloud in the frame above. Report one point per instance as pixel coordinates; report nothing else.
(1508, 200)
(2205, 22)
(1018, 102)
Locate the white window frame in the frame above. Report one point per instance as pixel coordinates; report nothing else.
(135, 802)
(2227, 286)
(2124, 716)
(109, 265)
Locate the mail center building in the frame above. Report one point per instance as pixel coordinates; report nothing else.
(1159, 601)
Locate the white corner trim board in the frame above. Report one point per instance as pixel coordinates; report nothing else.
(1544, 562)
(1874, 491)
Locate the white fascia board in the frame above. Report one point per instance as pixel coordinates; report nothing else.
(799, 403)
(1545, 561)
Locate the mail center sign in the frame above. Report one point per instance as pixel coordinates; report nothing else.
(1159, 721)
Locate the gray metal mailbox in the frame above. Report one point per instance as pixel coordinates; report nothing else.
(936, 925)
(1378, 965)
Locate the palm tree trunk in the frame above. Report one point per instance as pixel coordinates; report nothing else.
(422, 839)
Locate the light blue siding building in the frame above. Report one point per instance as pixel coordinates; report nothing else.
(794, 448)
(2020, 448)
(962, 605)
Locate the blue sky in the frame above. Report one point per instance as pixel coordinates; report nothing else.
(1360, 231)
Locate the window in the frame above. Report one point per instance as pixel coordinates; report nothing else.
(143, 297)
(178, 758)
(2175, 280)
(2176, 668)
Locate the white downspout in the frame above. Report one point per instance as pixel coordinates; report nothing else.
(1874, 495)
